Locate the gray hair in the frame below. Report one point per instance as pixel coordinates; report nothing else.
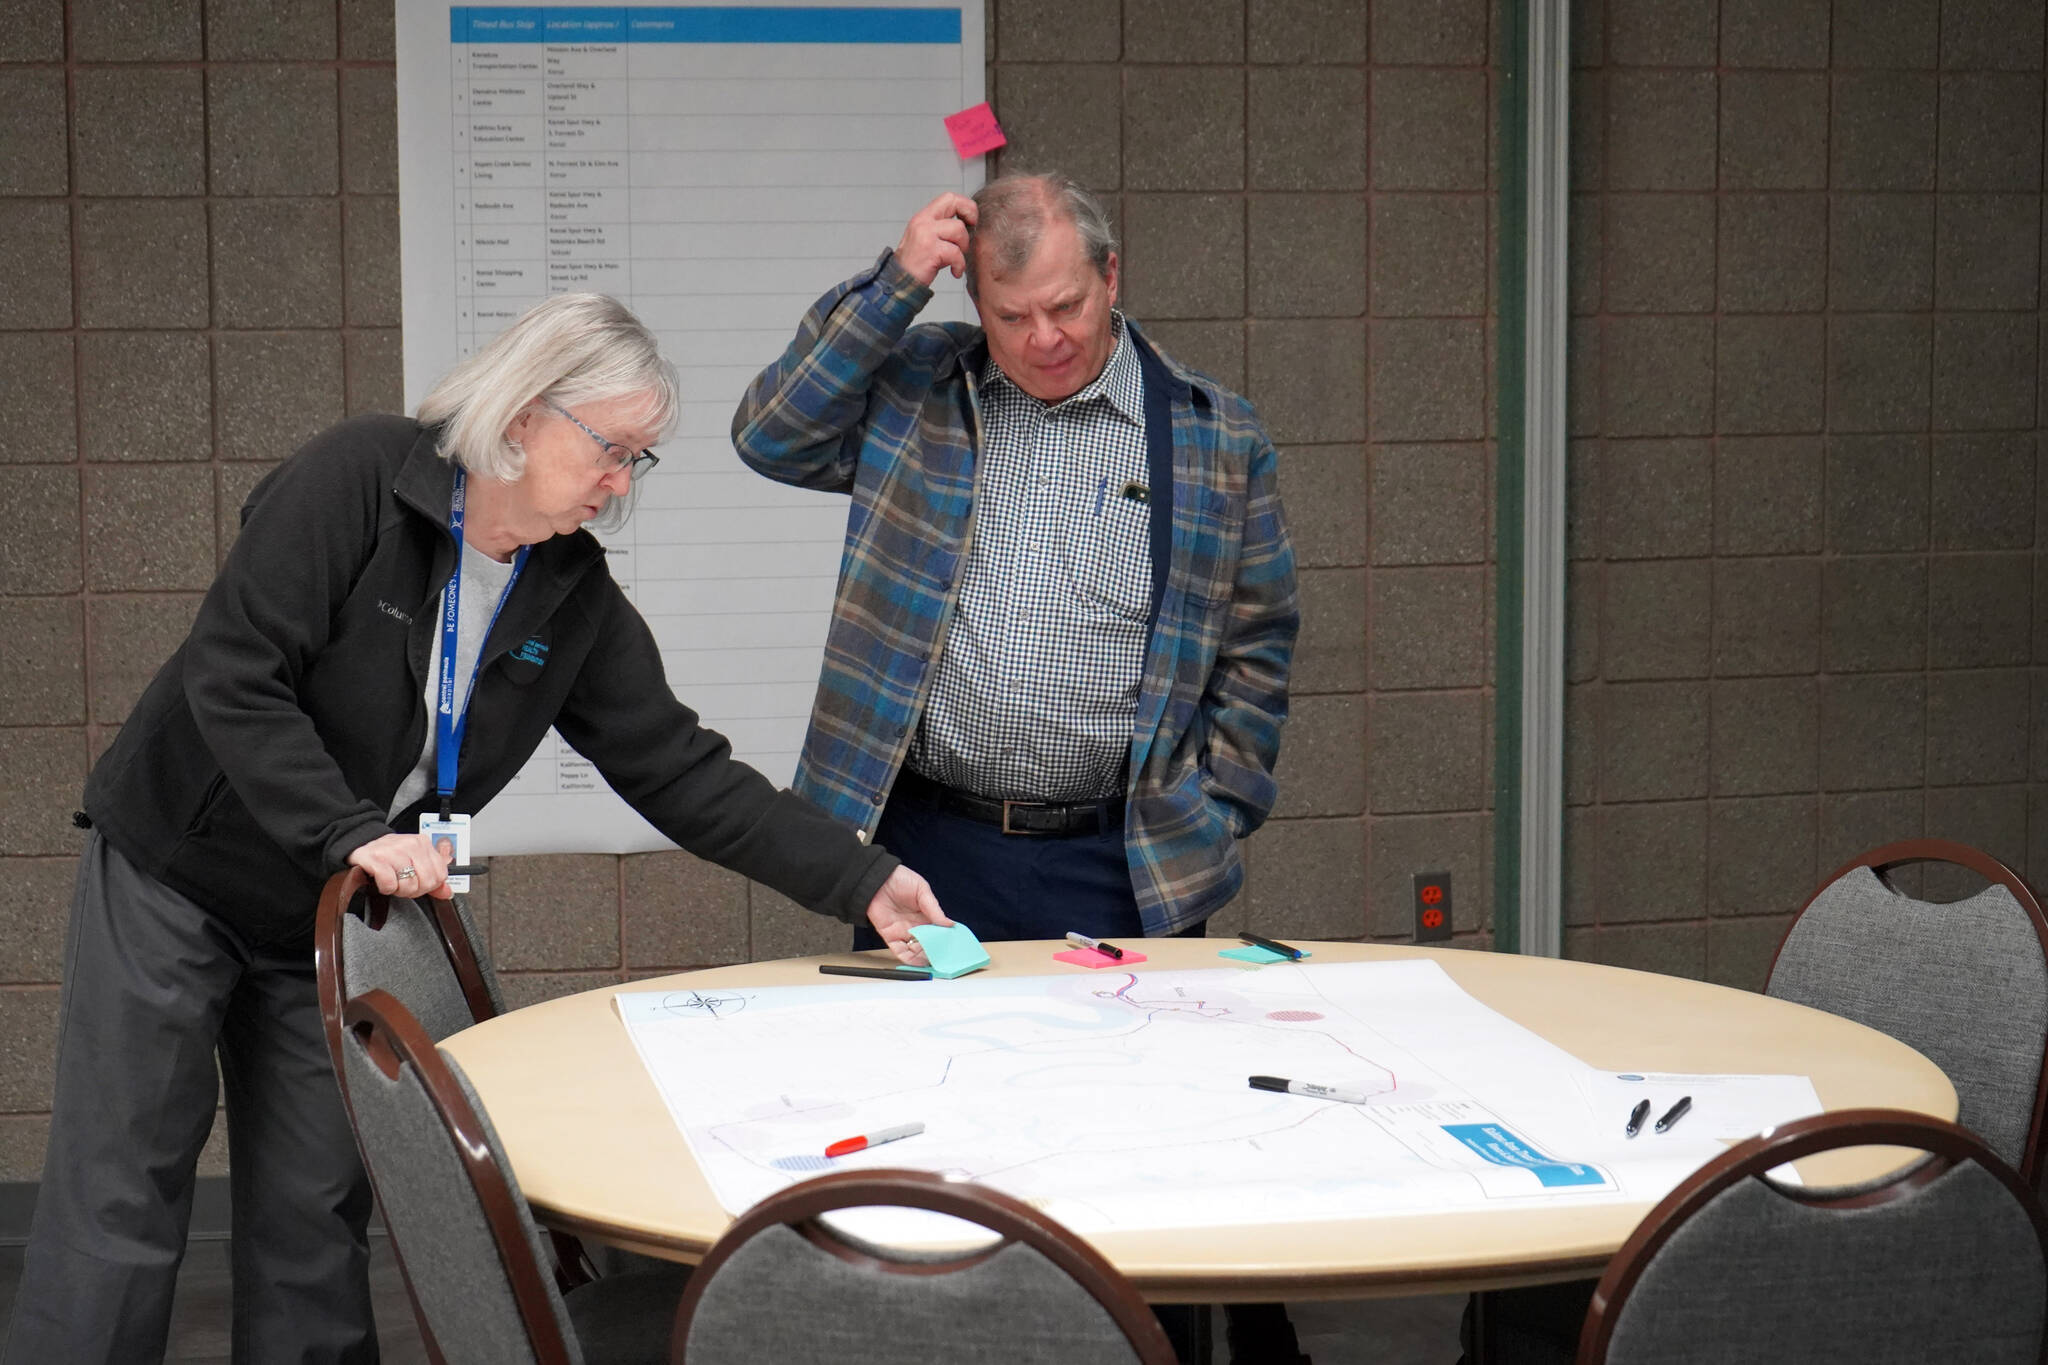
(571, 348)
(1015, 211)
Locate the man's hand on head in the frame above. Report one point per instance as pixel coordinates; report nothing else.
(935, 239)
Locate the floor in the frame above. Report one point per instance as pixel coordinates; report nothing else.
(1422, 1331)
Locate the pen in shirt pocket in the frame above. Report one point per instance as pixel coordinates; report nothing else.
(1101, 492)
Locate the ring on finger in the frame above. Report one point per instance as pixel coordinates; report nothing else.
(405, 872)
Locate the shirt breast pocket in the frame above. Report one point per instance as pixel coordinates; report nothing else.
(1108, 556)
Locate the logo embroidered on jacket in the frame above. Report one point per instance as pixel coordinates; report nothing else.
(393, 612)
(532, 652)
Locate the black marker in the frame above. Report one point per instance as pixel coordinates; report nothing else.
(1635, 1119)
(879, 973)
(1674, 1113)
(1258, 941)
(1083, 941)
(467, 869)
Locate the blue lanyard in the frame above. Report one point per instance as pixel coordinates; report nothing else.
(448, 726)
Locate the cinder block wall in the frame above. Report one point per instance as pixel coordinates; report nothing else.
(1808, 603)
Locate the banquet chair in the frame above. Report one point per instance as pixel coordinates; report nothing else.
(474, 1261)
(1945, 1259)
(1966, 983)
(1037, 1293)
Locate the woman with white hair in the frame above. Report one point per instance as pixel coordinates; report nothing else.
(411, 604)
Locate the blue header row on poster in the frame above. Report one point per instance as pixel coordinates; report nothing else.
(699, 24)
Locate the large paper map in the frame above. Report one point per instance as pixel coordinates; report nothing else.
(1120, 1100)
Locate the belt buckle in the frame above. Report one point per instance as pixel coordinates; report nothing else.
(1027, 805)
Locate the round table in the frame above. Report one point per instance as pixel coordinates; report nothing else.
(597, 1153)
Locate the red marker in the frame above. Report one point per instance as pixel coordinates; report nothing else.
(848, 1146)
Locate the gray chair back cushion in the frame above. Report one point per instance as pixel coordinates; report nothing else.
(436, 1220)
(1951, 1272)
(1964, 984)
(1012, 1308)
(405, 957)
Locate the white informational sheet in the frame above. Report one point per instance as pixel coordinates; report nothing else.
(716, 168)
(1119, 1100)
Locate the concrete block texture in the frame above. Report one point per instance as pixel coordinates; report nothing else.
(1657, 498)
(272, 130)
(1305, 128)
(1878, 372)
(370, 262)
(1400, 846)
(1666, 949)
(1183, 255)
(1770, 374)
(1324, 491)
(1214, 348)
(131, 638)
(1429, 504)
(1429, 33)
(39, 505)
(1760, 852)
(1766, 736)
(146, 396)
(1063, 117)
(1307, 255)
(38, 403)
(1767, 616)
(1652, 742)
(369, 131)
(278, 262)
(1429, 256)
(35, 260)
(1880, 252)
(1661, 130)
(142, 263)
(1659, 253)
(1658, 375)
(1740, 951)
(232, 484)
(134, 31)
(42, 769)
(1184, 128)
(1662, 32)
(1428, 379)
(1993, 819)
(46, 684)
(1189, 31)
(1774, 130)
(270, 30)
(148, 528)
(1881, 130)
(1983, 491)
(34, 33)
(1308, 379)
(366, 32)
(1984, 371)
(1873, 731)
(1887, 33)
(32, 156)
(375, 373)
(680, 911)
(1652, 861)
(35, 906)
(779, 927)
(1877, 493)
(1586, 168)
(1292, 32)
(112, 103)
(1991, 35)
(1874, 614)
(28, 1025)
(1425, 752)
(1979, 610)
(1329, 654)
(1855, 822)
(1057, 30)
(1656, 619)
(1308, 879)
(1990, 131)
(1428, 129)
(275, 389)
(1428, 628)
(1781, 34)
(1987, 254)
(555, 911)
(1767, 494)
(1322, 758)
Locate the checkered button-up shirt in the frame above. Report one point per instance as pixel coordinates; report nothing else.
(1034, 693)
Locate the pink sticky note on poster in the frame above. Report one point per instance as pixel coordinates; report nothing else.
(1088, 957)
(975, 131)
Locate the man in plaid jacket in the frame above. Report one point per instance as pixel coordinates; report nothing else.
(1057, 666)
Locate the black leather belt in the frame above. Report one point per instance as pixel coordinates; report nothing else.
(1048, 818)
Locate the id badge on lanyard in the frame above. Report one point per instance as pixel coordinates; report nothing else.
(450, 830)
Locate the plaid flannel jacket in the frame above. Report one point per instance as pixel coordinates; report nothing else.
(864, 403)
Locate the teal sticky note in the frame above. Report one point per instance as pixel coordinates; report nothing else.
(952, 950)
(1252, 952)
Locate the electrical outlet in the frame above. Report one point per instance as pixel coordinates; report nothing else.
(1432, 907)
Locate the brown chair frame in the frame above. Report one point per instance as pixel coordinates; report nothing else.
(1882, 861)
(801, 1206)
(393, 1039)
(1950, 1145)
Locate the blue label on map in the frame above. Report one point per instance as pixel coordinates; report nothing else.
(1500, 1146)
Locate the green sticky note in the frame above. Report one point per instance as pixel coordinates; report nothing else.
(953, 950)
(1252, 952)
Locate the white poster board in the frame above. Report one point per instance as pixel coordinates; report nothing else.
(716, 168)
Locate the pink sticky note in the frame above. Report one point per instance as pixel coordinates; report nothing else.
(975, 131)
(1088, 957)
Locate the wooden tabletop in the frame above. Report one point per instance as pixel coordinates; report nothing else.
(597, 1153)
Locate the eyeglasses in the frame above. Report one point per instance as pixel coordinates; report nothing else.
(616, 456)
